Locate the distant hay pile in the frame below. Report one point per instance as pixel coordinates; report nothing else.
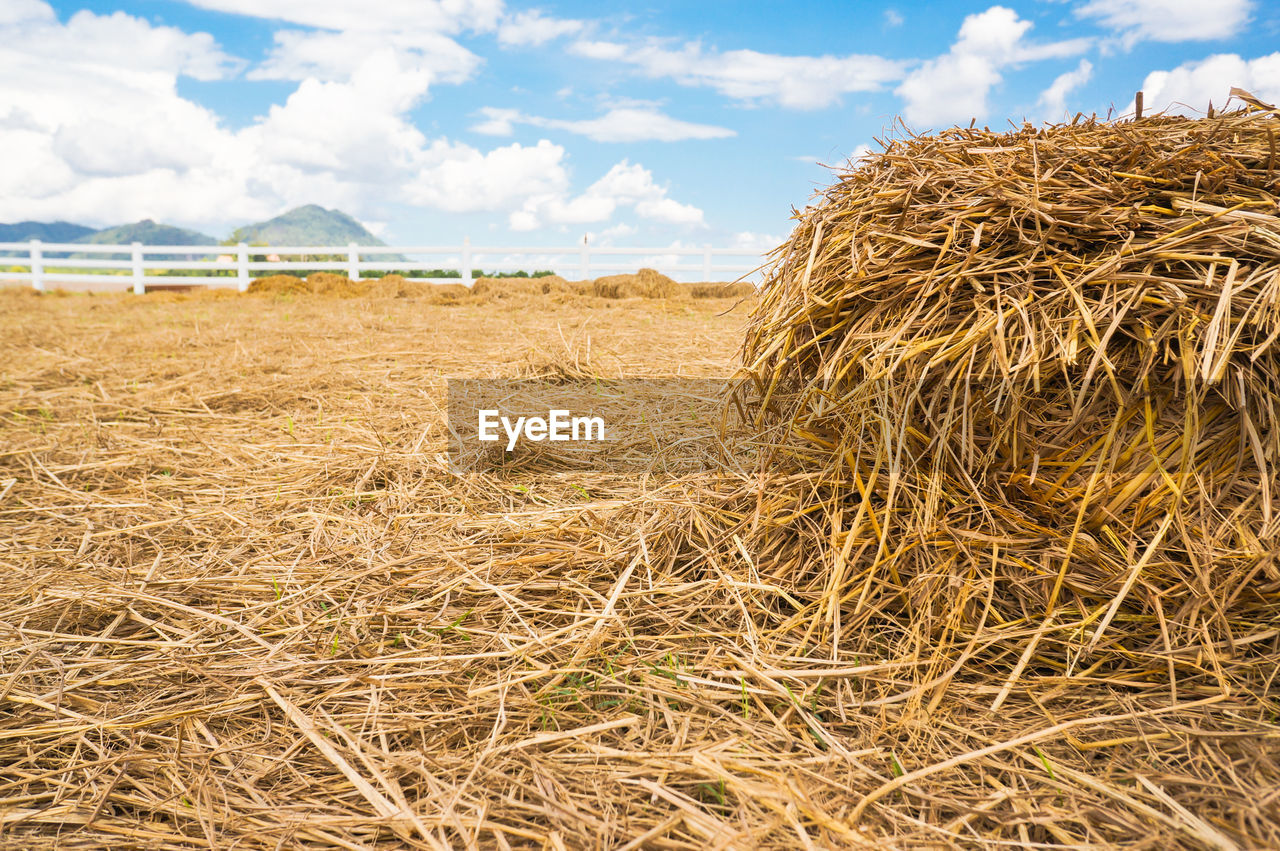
(340, 286)
(503, 288)
(440, 293)
(647, 283)
(279, 285)
(332, 284)
(737, 289)
(1028, 383)
(398, 286)
(319, 283)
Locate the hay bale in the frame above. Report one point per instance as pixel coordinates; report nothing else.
(398, 286)
(1032, 378)
(647, 283)
(491, 289)
(737, 289)
(331, 284)
(279, 285)
(496, 289)
(445, 293)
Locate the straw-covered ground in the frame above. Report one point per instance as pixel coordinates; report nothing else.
(244, 603)
(993, 566)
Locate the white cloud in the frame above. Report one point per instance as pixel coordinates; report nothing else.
(106, 109)
(796, 82)
(625, 185)
(1190, 87)
(756, 242)
(117, 46)
(893, 18)
(102, 136)
(371, 137)
(406, 16)
(1169, 20)
(1054, 98)
(324, 55)
(532, 28)
(339, 35)
(620, 124)
(605, 50)
(953, 88)
(459, 178)
(497, 122)
(25, 11)
(608, 235)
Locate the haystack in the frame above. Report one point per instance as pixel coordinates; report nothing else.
(445, 293)
(279, 285)
(647, 283)
(397, 286)
(503, 288)
(329, 283)
(735, 289)
(1027, 384)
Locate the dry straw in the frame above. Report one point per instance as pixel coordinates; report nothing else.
(735, 289)
(1030, 381)
(543, 285)
(1015, 446)
(647, 283)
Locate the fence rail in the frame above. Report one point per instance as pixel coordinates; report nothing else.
(140, 265)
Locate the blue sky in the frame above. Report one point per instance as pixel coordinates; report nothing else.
(670, 123)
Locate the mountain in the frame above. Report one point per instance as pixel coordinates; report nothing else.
(148, 233)
(44, 231)
(309, 225)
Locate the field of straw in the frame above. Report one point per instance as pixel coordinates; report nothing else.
(989, 560)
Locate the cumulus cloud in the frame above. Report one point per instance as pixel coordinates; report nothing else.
(755, 242)
(105, 112)
(329, 39)
(625, 185)
(1190, 87)
(532, 28)
(796, 82)
(620, 124)
(116, 45)
(325, 55)
(622, 230)
(449, 16)
(459, 178)
(102, 136)
(953, 88)
(497, 122)
(1054, 99)
(1169, 20)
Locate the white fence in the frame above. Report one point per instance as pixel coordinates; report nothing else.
(142, 265)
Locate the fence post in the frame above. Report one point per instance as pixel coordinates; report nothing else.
(706, 262)
(585, 260)
(465, 266)
(242, 267)
(139, 285)
(37, 265)
(353, 261)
